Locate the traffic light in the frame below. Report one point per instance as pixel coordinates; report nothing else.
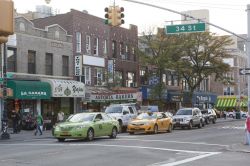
(6, 19)
(119, 15)
(109, 15)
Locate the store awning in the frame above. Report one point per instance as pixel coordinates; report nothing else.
(66, 88)
(29, 89)
(230, 102)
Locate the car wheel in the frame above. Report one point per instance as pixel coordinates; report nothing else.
(213, 121)
(61, 139)
(113, 133)
(170, 128)
(200, 125)
(120, 126)
(190, 125)
(155, 129)
(90, 134)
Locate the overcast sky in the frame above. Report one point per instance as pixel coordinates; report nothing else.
(229, 14)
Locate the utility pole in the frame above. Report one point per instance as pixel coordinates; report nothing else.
(248, 55)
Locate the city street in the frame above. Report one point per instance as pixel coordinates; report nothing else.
(216, 144)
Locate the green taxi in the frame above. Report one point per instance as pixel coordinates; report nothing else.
(86, 126)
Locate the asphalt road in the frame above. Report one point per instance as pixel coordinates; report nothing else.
(217, 144)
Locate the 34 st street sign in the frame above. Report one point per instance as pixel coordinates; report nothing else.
(245, 71)
(184, 28)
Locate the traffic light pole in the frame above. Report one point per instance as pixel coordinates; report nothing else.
(248, 55)
(247, 40)
(5, 134)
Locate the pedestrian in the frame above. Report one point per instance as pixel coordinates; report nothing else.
(14, 121)
(247, 129)
(39, 124)
(60, 116)
(225, 115)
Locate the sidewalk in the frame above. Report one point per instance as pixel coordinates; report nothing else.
(27, 135)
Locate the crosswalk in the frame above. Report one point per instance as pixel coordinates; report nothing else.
(233, 127)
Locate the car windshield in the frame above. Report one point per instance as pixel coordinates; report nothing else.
(146, 116)
(114, 109)
(81, 117)
(184, 112)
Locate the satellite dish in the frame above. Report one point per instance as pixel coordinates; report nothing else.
(47, 1)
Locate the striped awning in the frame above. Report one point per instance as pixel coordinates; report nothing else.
(230, 101)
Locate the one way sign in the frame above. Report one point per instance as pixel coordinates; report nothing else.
(245, 71)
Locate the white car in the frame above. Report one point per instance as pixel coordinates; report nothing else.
(122, 113)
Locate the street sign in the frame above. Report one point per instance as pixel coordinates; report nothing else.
(245, 71)
(185, 28)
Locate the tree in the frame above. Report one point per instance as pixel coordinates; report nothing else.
(194, 56)
(201, 56)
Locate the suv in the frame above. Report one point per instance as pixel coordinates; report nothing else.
(188, 117)
(122, 113)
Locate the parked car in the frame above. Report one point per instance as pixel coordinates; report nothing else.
(209, 115)
(150, 123)
(122, 113)
(86, 125)
(169, 114)
(188, 117)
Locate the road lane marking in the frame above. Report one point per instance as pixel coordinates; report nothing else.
(179, 142)
(201, 154)
(186, 160)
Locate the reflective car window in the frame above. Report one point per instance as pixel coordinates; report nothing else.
(184, 112)
(131, 110)
(116, 109)
(81, 118)
(146, 116)
(106, 117)
(99, 116)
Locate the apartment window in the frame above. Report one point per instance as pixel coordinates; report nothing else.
(122, 51)
(11, 59)
(126, 52)
(133, 53)
(96, 46)
(31, 62)
(118, 78)
(87, 75)
(65, 65)
(49, 64)
(130, 79)
(98, 76)
(88, 46)
(114, 51)
(105, 47)
(78, 42)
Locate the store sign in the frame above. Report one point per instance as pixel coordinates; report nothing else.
(78, 65)
(176, 98)
(203, 99)
(66, 88)
(106, 97)
(110, 71)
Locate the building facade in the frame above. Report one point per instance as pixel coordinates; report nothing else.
(107, 54)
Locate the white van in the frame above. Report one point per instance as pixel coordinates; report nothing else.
(123, 113)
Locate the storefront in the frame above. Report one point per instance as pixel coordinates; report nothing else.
(27, 96)
(231, 102)
(98, 98)
(64, 95)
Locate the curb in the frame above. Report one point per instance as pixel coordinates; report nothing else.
(240, 147)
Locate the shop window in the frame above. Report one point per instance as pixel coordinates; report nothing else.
(31, 62)
(86, 75)
(118, 78)
(130, 82)
(98, 76)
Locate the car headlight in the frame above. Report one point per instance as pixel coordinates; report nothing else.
(57, 128)
(79, 127)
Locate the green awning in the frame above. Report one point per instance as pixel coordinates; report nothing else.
(29, 89)
(230, 102)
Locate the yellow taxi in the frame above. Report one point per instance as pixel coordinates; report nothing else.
(150, 123)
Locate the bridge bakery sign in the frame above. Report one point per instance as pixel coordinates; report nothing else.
(109, 97)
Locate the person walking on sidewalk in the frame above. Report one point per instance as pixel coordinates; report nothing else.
(60, 116)
(39, 124)
(248, 130)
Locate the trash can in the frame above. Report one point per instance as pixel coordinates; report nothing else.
(237, 115)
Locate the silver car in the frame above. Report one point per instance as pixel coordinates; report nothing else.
(188, 117)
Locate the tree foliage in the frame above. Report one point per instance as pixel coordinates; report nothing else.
(194, 56)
